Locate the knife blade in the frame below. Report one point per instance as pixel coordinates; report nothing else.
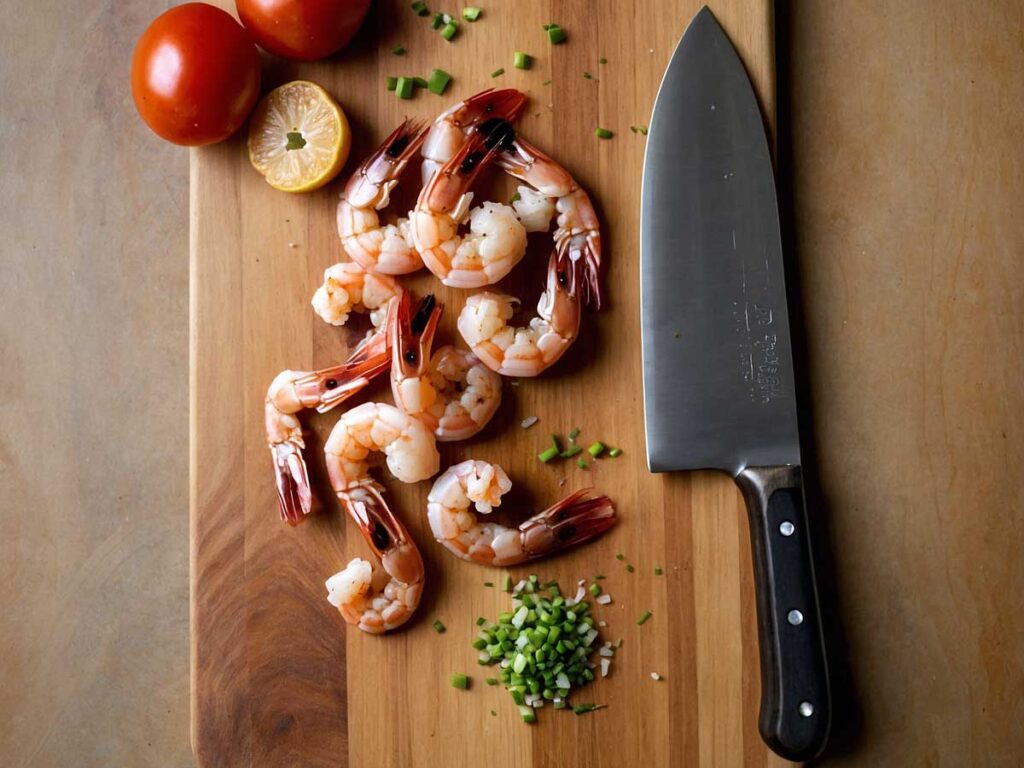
(717, 356)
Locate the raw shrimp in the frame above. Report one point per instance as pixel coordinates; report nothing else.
(452, 127)
(496, 240)
(378, 602)
(525, 351)
(348, 288)
(577, 230)
(576, 519)
(293, 391)
(452, 392)
(385, 249)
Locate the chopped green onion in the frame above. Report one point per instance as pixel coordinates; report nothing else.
(657, 571)
(526, 713)
(403, 88)
(460, 681)
(469, 13)
(392, 83)
(581, 463)
(480, 621)
(596, 449)
(439, 627)
(438, 81)
(488, 583)
(594, 589)
(548, 454)
(620, 556)
(438, 21)
(587, 76)
(449, 30)
(618, 643)
(582, 709)
(515, 198)
(615, 452)
(600, 577)
(574, 434)
(555, 444)
(602, 60)
(571, 451)
(492, 681)
(522, 60)
(546, 82)
(643, 617)
(420, 8)
(603, 133)
(398, 50)
(556, 34)
(508, 583)
(630, 568)
(498, 72)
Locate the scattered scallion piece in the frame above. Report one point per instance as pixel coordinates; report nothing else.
(438, 81)
(398, 50)
(582, 709)
(596, 449)
(615, 452)
(602, 60)
(587, 76)
(546, 82)
(655, 676)
(556, 34)
(529, 421)
(508, 583)
(526, 713)
(547, 455)
(629, 568)
(555, 443)
(641, 129)
(620, 556)
(403, 88)
(522, 60)
(460, 681)
(498, 72)
(488, 583)
(439, 627)
(643, 619)
(574, 433)
(600, 577)
(657, 571)
(603, 133)
(493, 713)
(515, 198)
(480, 621)
(581, 463)
(571, 451)
(438, 21)
(594, 589)
(392, 83)
(469, 13)
(420, 8)
(449, 30)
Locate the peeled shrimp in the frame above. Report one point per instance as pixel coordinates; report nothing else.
(452, 127)
(378, 601)
(577, 231)
(348, 288)
(452, 392)
(576, 519)
(385, 249)
(293, 391)
(497, 239)
(528, 350)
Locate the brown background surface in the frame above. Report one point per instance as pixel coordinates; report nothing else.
(906, 124)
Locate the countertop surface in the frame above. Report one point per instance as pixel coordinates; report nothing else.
(906, 126)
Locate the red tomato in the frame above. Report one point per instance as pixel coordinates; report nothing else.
(195, 75)
(302, 29)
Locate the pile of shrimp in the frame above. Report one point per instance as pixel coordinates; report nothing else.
(449, 393)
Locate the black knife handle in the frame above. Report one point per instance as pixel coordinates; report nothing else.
(795, 700)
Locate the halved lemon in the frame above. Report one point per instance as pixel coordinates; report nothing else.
(298, 137)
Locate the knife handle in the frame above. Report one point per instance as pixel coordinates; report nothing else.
(795, 699)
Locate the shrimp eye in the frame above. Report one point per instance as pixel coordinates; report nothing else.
(562, 279)
(410, 356)
(331, 383)
(380, 536)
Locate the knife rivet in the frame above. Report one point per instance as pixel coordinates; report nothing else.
(786, 528)
(794, 617)
(806, 709)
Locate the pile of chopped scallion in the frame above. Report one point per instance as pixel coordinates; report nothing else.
(574, 450)
(543, 647)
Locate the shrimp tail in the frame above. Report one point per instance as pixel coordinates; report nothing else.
(293, 491)
(576, 519)
(585, 250)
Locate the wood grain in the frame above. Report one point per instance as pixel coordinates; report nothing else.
(278, 678)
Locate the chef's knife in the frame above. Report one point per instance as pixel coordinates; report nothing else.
(717, 355)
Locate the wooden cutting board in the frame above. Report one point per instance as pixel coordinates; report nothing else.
(278, 679)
